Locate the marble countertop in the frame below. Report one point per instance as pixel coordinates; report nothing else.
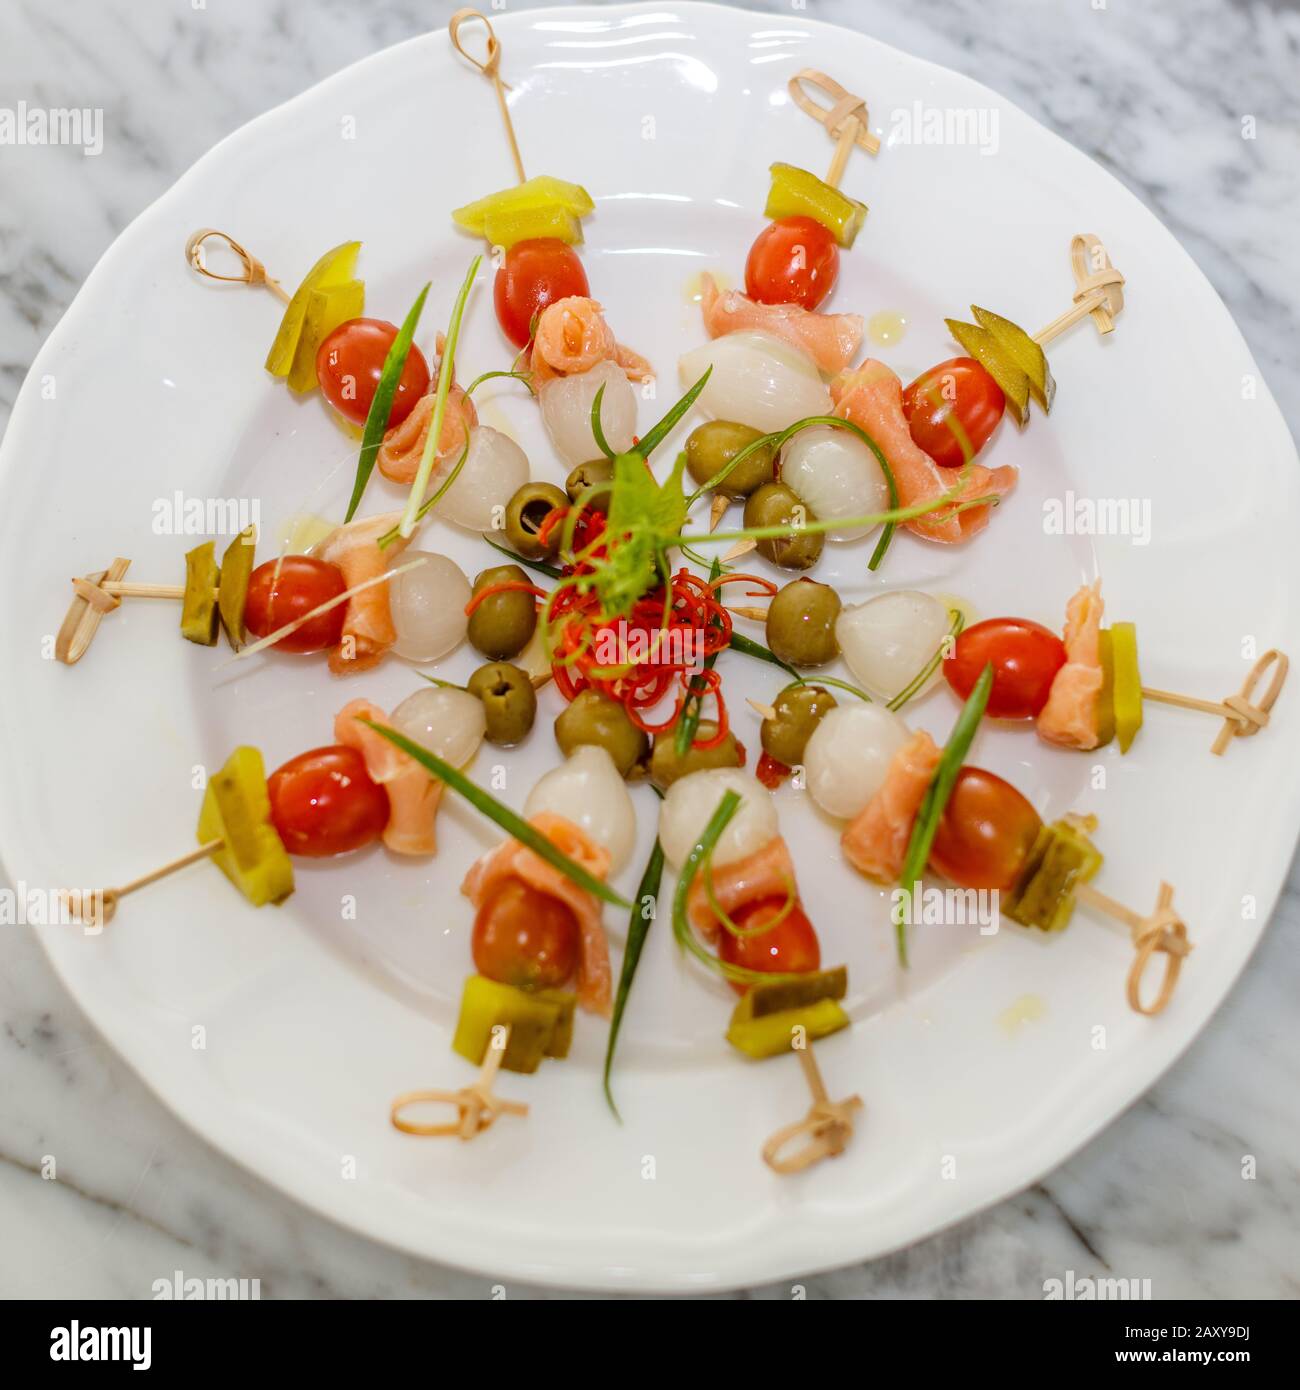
(1155, 93)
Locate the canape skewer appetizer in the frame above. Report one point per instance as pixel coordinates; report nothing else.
(1085, 689)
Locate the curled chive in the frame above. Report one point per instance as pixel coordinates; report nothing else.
(597, 429)
(918, 681)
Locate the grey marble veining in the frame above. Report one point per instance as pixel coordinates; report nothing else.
(1157, 93)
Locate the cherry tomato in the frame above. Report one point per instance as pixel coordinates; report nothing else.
(1025, 657)
(985, 833)
(793, 261)
(789, 947)
(533, 275)
(324, 803)
(282, 590)
(525, 938)
(952, 410)
(350, 362)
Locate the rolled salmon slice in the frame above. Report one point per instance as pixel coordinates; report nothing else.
(1069, 717)
(831, 340)
(368, 629)
(572, 336)
(513, 860)
(872, 397)
(876, 840)
(765, 874)
(403, 447)
(413, 795)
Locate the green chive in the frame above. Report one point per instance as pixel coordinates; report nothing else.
(494, 810)
(650, 441)
(692, 707)
(597, 430)
(918, 681)
(638, 928)
(936, 798)
(381, 406)
(741, 643)
(540, 566)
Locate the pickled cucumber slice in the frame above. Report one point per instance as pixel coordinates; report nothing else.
(237, 809)
(326, 309)
(541, 1025)
(511, 225)
(232, 594)
(1023, 351)
(199, 606)
(980, 344)
(541, 191)
(1062, 857)
(774, 1034)
(777, 996)
(794, 192)
(1106, 697)
(1128, 683)
(331, 272)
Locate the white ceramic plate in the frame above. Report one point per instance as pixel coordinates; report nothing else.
(670, 114)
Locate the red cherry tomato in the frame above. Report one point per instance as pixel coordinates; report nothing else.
(952, 410)
(1025, 658)
(324, 803)
(282, 590)
(525, 938)
(533, 275)
(793, 261)
(350, 362)
(789, 947)
(985, 833)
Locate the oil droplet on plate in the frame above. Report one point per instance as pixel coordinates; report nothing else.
(298, 533)
(1027, 1009)
(886, 327)
(693, 290)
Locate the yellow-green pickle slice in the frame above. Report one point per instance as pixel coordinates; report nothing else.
(1023, 351)
(232, 591)
(1062, 857)
(199, 606)
(237, 809)
(541, 1025)
(794, 192)
(766, 1021)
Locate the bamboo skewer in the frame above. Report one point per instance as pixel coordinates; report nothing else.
(718, 509)
(763, 711)
(254, 270)
(755, 615)
(1162, 930)
(477, 1105)
(845, 119)
(107, 900)
(490, 68)
(828, 1124)
(1098, 290)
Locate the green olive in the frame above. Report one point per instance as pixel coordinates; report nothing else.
(595, 718)
(798, 710)
(801, 623)
(587, 475)
(666, 766)
(774, 504)
(713, 445)
(509, 701)
(503, 624)
(525, 513)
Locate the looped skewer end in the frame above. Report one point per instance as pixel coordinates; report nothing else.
(490, 67)
(845, 118)
(477, 1105)
(828, 1125)
(1098, 289)
(254, 270)
(1161, 930)
(1250, 718)
(85, 612)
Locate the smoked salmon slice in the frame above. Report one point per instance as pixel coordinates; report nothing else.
(572, 336)
(872, 397)
(368, 629)
(831, 340)
(513, 860)
(767, 873)
(876, 841)
(1070, 715)
(413, 794)
(403, 447)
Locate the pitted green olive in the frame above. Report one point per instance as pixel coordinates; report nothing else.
(774, 504)
(509, 702)
(711, 446)
(502, 625)
(594, 718)
(801, 623)
(526, 512)
(798, 709)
